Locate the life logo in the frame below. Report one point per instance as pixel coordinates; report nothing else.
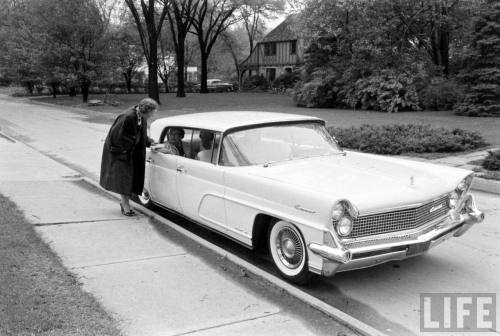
(458, 312)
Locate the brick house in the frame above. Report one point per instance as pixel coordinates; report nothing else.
(282, 50)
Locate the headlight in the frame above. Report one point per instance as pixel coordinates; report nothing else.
(343, 215)
(337, 211)
(344, 226)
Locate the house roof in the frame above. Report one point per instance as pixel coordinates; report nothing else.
(225, 120)
(285, 31)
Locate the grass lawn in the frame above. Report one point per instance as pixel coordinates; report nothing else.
(37, 295)
(194, 102)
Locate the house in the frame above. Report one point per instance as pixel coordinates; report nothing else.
(282, 50)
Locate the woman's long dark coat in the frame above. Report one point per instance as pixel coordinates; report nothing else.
(124, 155)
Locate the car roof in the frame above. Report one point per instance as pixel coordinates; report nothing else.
(226, 120)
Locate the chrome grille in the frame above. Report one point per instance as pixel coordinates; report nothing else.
(399, 220)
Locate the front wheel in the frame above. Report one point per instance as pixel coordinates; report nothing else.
(288, 252)
(145, 199)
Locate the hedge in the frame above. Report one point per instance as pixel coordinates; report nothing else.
(399, 139)
(492, 161)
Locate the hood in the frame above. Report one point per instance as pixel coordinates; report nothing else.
(370, 182)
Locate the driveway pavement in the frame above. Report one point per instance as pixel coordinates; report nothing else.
(153, 281)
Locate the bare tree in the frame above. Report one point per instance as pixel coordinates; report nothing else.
(234, 43)
(254, 12)
(180, 16)
(212, 19)
(149, 29)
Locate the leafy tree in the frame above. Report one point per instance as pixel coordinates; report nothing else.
(149, 21)
(211, 19)
(392, 33)
(21, 44)
(74, 32)
(482, 75)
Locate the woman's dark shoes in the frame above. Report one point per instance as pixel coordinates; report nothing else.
(129, 213)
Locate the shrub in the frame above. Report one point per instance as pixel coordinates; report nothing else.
(397, 139)
(287, 80)
(5, 81)
(256, 82)
(386, 91)
(30, 84)
(492, 161)
(441, 95)
(320, 92)
(313, 94)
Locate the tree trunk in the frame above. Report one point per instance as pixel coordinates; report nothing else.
(153, 90)
(54, 91)
(204, 72)
(165, 83)
(128, 80)
(181, 87)
(85, 92)
(440, 44)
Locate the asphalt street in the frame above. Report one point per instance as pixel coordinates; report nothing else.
(385, 296)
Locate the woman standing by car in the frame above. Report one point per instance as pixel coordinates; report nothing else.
(124, 153)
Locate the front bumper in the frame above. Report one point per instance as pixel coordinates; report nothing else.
(343, 256)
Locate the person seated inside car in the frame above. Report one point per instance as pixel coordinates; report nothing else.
(173, 145)
(206, 152)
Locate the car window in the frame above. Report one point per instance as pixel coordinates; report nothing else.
(205, 146)
(196, 144)
(268, 144)
(175, 140)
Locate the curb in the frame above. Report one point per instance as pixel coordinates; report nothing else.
(484, 185)
(338, 315)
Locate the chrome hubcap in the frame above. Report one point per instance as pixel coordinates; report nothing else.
(289, 248)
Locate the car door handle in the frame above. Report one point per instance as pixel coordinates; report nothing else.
(181, 169)
(149, 160)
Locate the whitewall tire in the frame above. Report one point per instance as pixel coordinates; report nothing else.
(288, 252)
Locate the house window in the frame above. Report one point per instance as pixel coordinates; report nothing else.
(270, 49)
(293, 47)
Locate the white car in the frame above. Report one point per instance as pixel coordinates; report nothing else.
(282, 180)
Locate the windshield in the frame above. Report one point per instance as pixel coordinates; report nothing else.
(269, 144)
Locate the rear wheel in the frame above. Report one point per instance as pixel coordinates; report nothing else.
(288, 252)
(145, 199)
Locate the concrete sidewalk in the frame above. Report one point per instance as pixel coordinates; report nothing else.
(154, 283)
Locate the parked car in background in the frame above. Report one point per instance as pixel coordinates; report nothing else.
(215, 85)
(281, 181)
